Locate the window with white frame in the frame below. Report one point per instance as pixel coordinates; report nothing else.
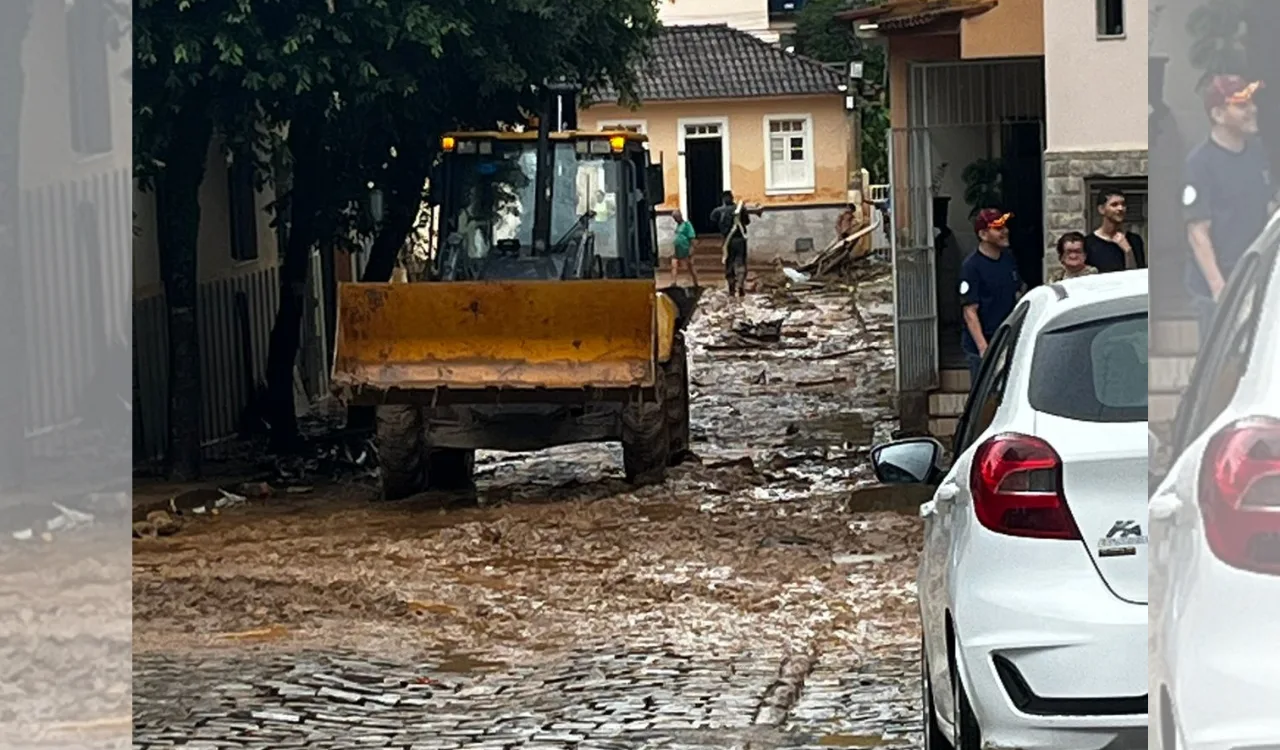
(789, 165)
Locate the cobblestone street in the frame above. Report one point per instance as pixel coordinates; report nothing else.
(763, 597)
(607, 697)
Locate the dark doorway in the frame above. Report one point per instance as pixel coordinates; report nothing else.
(704, 181)
(1023, 149)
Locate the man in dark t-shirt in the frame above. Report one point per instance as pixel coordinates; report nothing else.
(1110, 248)
(1228, 196)
(989, 286)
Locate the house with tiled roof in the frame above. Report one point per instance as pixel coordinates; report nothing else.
(725, 110)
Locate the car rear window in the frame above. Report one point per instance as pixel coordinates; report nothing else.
(1093, 372)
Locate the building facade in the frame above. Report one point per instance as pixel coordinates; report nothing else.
(1096, 135)
(72, 215)
(725, 110)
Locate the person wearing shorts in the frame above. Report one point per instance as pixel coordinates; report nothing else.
(683, 246)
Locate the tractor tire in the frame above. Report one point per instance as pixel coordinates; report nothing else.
(450, 468)
(676, 373)
(645, 439)
(402, 451)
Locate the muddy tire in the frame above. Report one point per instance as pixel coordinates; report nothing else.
(402, 451)
(450, 468)
(645, 441)
(676, 373)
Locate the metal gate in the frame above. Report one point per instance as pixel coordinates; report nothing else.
(915, 298)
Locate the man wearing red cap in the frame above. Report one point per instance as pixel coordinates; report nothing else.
(1229, 195)
(989, 286)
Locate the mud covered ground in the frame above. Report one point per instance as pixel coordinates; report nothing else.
(763, 585)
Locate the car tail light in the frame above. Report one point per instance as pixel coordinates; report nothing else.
(1017, 488)
(1240, 495)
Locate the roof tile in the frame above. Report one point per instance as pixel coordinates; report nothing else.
(718, 62)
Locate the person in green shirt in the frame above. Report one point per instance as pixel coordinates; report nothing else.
(683, 249)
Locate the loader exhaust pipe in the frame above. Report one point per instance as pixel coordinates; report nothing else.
(559, 109)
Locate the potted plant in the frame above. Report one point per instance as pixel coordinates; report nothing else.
(983, 184)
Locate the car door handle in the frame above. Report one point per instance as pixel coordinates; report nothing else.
(947, 492)
(1164, 507)
(928, 509)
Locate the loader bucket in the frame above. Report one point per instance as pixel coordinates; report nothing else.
(686, 299)
(470, 335)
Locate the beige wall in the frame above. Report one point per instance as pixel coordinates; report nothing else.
(745, 15)
(214, 244)
(903, 51)
(1014, 28)
(47, 157)
(746, 143)
(1089, 110)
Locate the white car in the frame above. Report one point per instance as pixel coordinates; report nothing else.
(1215, 530)
(1033, 577)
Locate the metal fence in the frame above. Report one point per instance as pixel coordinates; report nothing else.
(76, 274)
(234, 318)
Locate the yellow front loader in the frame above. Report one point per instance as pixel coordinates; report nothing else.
(540, 323)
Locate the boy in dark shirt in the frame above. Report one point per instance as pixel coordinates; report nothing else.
(1229, 196)
(1110, 248)
(989, 286)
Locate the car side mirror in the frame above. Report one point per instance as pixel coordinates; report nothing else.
(909, 461)
(655, 185)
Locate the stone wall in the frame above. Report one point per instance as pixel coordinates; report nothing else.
(1066, 188)
(774, 234)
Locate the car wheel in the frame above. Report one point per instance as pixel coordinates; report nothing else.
(968, 733)
(934, 739)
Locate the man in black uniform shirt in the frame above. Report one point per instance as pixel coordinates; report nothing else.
(1229, 195)
(989, 286)
(1110, 248)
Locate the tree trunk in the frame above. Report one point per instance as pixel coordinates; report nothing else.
(286, 332)
(404, 201)
(177, 234)
(15, 20)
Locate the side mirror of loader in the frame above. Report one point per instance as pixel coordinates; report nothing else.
(655, 189)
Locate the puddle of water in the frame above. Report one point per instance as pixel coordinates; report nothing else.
(849, 427)
(462, 663)
(851, 740)
(270, 633)
(660, 512)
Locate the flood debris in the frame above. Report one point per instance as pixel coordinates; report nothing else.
(752, 542)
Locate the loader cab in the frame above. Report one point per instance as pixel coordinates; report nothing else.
(601, 207)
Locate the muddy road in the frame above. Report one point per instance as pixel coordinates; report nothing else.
(763, 596)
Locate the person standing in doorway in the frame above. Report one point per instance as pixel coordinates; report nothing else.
(1228, 196)
(989, 286)
(683, 245)
(1110, 247)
